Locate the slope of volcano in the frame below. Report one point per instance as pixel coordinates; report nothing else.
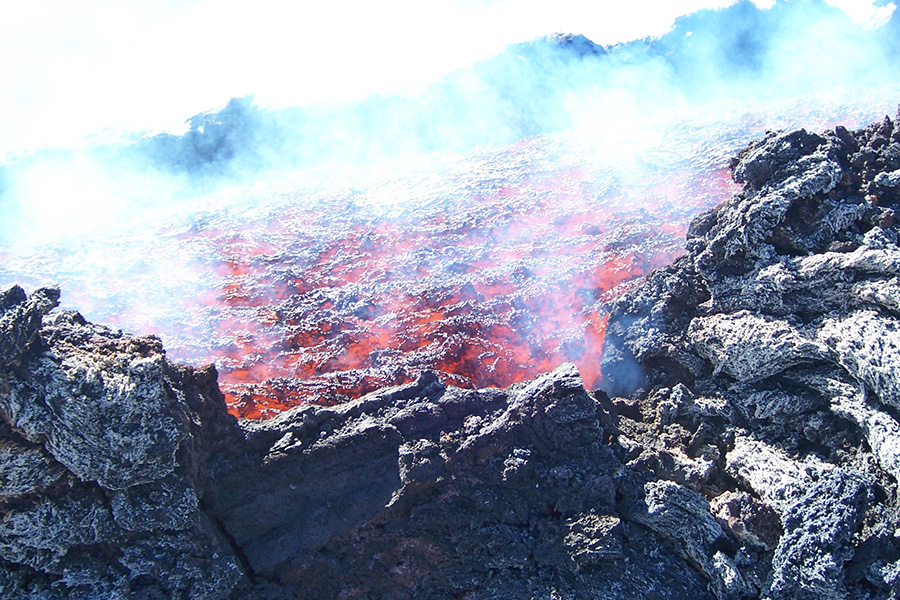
(489, 267)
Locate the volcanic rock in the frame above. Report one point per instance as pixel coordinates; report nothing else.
(751, 448)
(21, 319)
(132, 481)
(102, 460)
(783, 314)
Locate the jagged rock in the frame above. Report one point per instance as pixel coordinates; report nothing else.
(25, 469)
(809, 560)
(41, 535)
(750, 521)
(169, 503)
(891, 179)
(133, 482)
(20, 319)
(882, 432)
(796, 334)
(771, 474)
(651, 326)
(593, 538)
(748, 347)
(100, 463)
(867, 345)
(107, 417)
(505, 493)
(180, 565)
(683, 516)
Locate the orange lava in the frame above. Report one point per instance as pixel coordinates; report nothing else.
(491, 284)
(489, 268)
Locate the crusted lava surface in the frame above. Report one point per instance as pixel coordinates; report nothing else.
(490, 271)
(488, 268)
(763, 370)
(749, 446)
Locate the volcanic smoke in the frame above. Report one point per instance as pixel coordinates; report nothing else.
(489, 268)
(479, 227)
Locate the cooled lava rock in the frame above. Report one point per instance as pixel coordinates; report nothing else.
(750, 449)
(124, 477)
(770, 354)
(103, 450)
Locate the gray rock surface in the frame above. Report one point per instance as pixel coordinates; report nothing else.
(20, 319)
(748, 347)
(126, 478)
(101, 463)
(784, 312)
(809, 560)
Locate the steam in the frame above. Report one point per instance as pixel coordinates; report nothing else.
(84, 68)
(370, 100)
(399, 80)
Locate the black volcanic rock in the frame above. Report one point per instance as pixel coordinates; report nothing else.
(125, 478)
(517, 93)
(103, 464)
(783, 316)
(20, 320)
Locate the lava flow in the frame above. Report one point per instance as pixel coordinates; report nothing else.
(501, 272)
(488, 268)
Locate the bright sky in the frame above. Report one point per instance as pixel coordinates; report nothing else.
(72, 69)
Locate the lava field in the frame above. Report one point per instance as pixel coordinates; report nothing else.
(489, 267)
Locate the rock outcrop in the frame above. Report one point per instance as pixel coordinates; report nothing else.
(776, 340)
(750, 447)
(124, 477)
(103, 452)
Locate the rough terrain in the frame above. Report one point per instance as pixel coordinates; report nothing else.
(765, 365)
(749, 446)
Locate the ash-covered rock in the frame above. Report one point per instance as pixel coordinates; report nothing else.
(782, 321)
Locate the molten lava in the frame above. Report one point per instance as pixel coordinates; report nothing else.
(496, 277)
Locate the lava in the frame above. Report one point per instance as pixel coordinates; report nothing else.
(489, 289)
(488, 268)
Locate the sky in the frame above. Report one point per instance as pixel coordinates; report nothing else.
(91, 68)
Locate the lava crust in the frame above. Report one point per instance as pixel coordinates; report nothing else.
(750, 448)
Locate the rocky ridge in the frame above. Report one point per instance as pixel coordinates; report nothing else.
(769, 355)
(750, 447)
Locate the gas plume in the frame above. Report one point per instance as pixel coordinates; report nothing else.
(559, 82)
(299, 247)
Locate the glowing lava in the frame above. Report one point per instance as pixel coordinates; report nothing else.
(489, 268)
(491, 279)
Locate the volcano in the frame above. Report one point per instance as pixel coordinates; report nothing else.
(575, 322)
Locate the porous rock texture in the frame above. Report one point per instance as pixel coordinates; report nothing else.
(124, 477)
(769, 356)
(750, 447)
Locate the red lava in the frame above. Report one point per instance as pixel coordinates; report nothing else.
(489, 268)
(490, 284)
